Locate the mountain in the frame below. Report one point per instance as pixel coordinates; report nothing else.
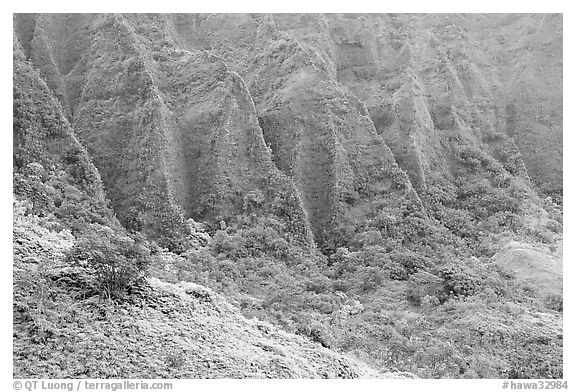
(305, 165)
(51, 166)
(171, 136)
(184, 115)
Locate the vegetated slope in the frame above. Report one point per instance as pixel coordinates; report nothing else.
(434, 97)
(536, 267)
(164, 331)
(320, 135)
(62, 328)
(173, 133)
(470, 317)
(346, 105)
(429, 78)
(357, 97)
(51, 168)
(394, 139)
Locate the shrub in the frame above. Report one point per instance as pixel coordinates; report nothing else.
(554, 302)
(369, 238)
(252, 201)
(368, 279)
(424, 287)
(116, 261)
(233, 246)
(459, 280)
(317, 332)
(410, 262)
(318, 284)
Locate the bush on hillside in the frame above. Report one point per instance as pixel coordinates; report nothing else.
(424, 287)
(117, 262)
(459, 279)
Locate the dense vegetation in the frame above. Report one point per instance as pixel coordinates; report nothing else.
(395, 255)
(437, 306)
(405, 293)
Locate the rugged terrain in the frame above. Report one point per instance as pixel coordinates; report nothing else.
(356, 179)
(173, 331)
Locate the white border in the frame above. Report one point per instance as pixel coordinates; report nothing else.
(294, 6)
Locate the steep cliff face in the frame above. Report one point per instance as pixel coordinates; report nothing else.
(435, 77)
(330, 88)
(408, 149)
(528, 54)
(54, 43)
(187, 115)
(51, 167)
(173, 133)
(320, 134)
(121, 119)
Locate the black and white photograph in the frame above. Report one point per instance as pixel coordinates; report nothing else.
(286, 196)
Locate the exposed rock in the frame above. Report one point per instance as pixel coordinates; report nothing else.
(536, 268)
